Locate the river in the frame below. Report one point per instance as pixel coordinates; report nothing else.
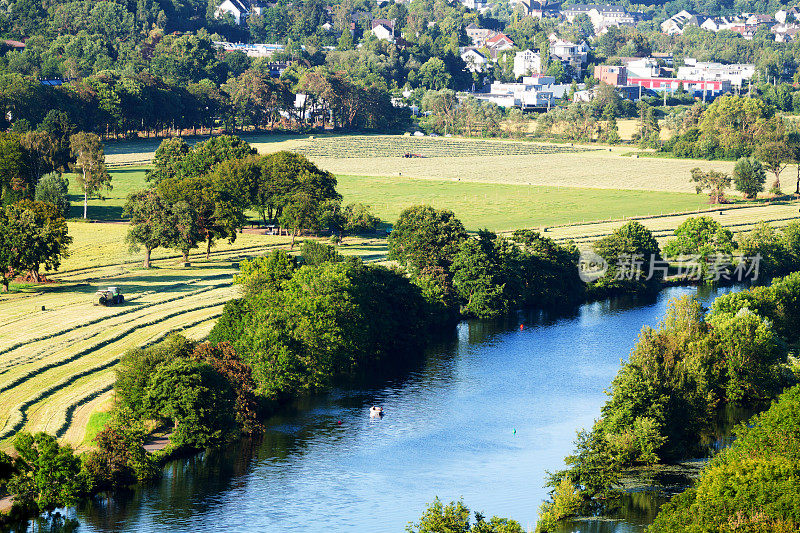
(482, 417)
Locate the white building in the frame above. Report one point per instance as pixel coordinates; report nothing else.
(383, 29)
(645, 67)
(575, 55)
(239, 9)
(527, 62)
(252, 50)
(737, 73)
(602, 16)
(475, 61)
(676, 24)
(534, 92)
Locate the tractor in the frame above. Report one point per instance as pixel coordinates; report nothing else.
(110, 296)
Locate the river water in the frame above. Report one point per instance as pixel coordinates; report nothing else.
(482, 417)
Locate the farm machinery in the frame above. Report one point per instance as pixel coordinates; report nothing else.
(110, 296)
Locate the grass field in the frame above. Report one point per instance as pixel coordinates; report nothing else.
(502, 207)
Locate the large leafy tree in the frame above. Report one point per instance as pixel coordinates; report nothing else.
(35, 233)
(168, 159)
(49, 474)
(13, 169)
(749, 177)
(90, 162)
(714, 181)
(153, 223)
(53, 188)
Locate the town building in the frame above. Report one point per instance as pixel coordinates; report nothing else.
(238, 9)
(383, 29)
(475, 60)
(602, 16)
(478, 35)
(527, 62)
(676, 24)
(615, 75)
(736, 74)
(705, 87)
(252, 50)
(574, 55)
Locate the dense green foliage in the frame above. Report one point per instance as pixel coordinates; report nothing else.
(32, 234)
(301, 327)
(752, 486)
(666, 397)
(454, 517)
(48, 475)
(633, 259)
(484, 276)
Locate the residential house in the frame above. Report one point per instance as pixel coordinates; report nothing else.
(499, 42)
(478, 35)
(785, 33)
(736, 74)
(252, 50)
(642, 67)
(239, 9)
(383, 29)
(602, 16)
(475, 61)
(527, 62)
(676, 24)
(716, 24)
(786, 16)
(477, 5)
(574, 55)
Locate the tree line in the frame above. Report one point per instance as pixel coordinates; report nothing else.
(201, 193)
(666, 397)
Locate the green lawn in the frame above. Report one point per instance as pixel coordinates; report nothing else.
(495, 206)
(123, 180)
(504, 207)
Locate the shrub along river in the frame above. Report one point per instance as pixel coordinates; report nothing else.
(482, 417)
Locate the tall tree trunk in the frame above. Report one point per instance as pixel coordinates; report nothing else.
(146, 263)
(35, 274)
(797, 188)
(185, 256)
(208, 246)
(85, 196)
(294, 234)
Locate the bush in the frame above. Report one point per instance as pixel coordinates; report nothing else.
(120, 459)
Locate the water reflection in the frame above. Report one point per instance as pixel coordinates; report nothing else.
(481, 416)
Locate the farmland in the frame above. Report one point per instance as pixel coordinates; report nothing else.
(58, 349)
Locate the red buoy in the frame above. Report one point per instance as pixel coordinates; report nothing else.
(521, 327)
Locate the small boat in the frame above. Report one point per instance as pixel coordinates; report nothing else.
(375, 411)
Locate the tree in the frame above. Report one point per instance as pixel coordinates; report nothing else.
(13, 169)
(425, 239)
(153, 224)
(714, 181)
(633, 259)
(168, 159)
(478, 278)
(455, 518)
(775, 155)
(90, 160)
(53, 188)
(749, 177)
(193, 395)
(612, 130)
(433, 74)
(49, 474)
(703, 237)
(359, 218)
(119, 459)
(301, 213)
(36, 234)
(346, 40)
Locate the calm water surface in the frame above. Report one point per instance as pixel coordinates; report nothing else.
(482, 417)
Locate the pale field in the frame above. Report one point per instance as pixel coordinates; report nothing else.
(738, 220)
(600, 168)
